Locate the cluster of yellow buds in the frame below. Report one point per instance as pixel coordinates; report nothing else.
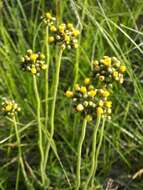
(91, 101)
(109, 69)
(65, 35)
(48, 19)
(10, 107)
(34, 62)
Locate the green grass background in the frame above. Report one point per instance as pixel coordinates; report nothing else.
(108, 27)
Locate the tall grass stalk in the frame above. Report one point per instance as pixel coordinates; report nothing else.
(29, 186)
(55, 90)
(93, 160)
(82, 137)
(40, 138)
(98, 150)
(46, 76)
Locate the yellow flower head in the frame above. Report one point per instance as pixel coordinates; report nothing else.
(10, 107)
(48, 19)
(65, 35)
(34, 62)
(89, 100)
(108, 70)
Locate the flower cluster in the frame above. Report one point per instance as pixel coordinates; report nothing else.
(34, 62)
(91, 101)
(65, 35)
(108, 70)
(48, 19)
(10, 107)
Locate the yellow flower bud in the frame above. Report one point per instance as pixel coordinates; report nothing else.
(79, 108)
(69, 94)
(42, 56)
(53, 28)
(8, 107)
(63, 46)
(108, 104)
(62, 28)
(33, 57)
(109, 111)
(77, 87)
(48, 15)
(122, 68)
(33, 70)
(115, 74)
(85, 103)
(44, 66)
(88, 118)
(75, 33)
(101, 103)
(99, 111)
(83, 89)
(70, 25)
(92, 93)
(106, 61)
(67, 38)
(51, 39)
(87, 81)
(106, 93)
(75, 45)
(29, 51)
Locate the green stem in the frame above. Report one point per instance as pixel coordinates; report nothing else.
(55, 90)
(46, 77)
(40, 139)
(20, 153)
(82, 136)
(17, 178)
(93, 162)
(78, 51)
(98, 150)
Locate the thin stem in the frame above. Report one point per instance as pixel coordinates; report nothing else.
(98, 150)
(46, 76)
(82, 136)
(93, 162)
(20, 154)
(17, 178)
(55, 90)
(40, 140)
(78, 51)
